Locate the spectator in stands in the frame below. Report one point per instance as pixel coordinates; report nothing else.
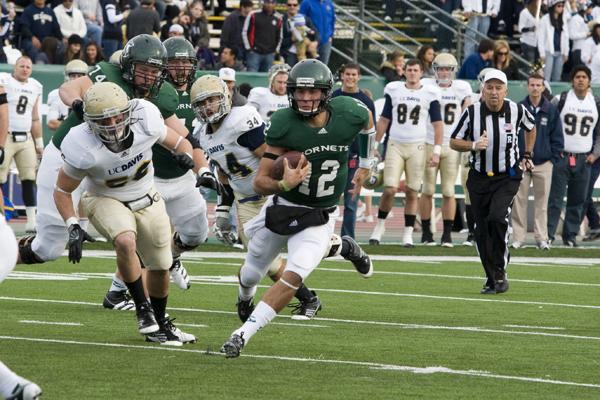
(143, 20)
(390, 11)
(7, 17)
(444, 36)
(112, 37)
(528, 25)
(70, 20)
(546, 152)
(591, 45)
(503, 61)
(553, 40)
(426, 54)
(262, 35)
(479, 14)
(173, 16)
(579, 31)
(228, 59)
(176, 30)
(92, 53)
(293, 35)
(392, 68)
(197, 25)
(38, 24)
(92, 14)
(474, 63)
(322, 14)
(73, 50)
(231, 31)
(228, 76)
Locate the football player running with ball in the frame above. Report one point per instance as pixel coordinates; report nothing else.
(303, 209)
(113, 149)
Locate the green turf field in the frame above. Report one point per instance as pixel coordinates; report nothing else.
(417, 329)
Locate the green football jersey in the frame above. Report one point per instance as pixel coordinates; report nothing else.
(325, 148)
(166, 101)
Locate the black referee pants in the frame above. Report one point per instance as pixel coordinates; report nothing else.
(491, 201)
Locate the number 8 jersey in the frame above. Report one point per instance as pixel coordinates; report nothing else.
(21, 98)
(408, 111)
(125, 176)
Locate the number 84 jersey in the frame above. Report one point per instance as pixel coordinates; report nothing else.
(223, 147)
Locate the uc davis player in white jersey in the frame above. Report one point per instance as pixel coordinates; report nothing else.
(455, 97)
(12, 386)
(57, 110)
(578, 109)
(268, 100)
(113, 150)
(409, 107)
(23, 94)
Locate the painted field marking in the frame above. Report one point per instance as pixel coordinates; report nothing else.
(370, 365)
(193, 325)
(348, 321)
(549, 328)
(27, 321)
(305, 325)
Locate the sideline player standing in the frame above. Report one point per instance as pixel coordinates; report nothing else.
(268, 100)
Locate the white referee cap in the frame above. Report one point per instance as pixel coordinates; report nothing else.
(495, 74)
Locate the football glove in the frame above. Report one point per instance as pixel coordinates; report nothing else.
(207, 179)
(184, 160)
(75, 244)
(223, 229)
(77, 107)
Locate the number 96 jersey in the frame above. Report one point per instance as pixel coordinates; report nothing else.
(125, 176)
(21, 98)
(222, 146)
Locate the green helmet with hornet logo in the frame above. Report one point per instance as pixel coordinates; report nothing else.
(181, 60)
(310, 73)
(149, 51)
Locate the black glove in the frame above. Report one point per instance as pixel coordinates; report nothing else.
(208, 180)
(184, 160)
(1, 154)
(77, 107)
(75, 244)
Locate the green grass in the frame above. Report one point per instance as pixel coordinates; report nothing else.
(365, 343)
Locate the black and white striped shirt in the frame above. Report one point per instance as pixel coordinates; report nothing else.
(502, 129)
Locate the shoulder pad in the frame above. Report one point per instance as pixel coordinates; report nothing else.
(147, 115)
(37, 84)
(278, 125)
(76, 150)
(353, 110)
(244, 118)
(390, 87)
(167, 100)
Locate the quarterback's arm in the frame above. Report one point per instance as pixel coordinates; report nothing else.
(3, 117)
(74, 90)
(36, 127)
(292, 177)
(65, 185)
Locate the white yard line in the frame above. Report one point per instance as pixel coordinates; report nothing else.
(304, 325)
(549, 328)
(26, 321)
(370, 365)
(193, 325)
(347, 321)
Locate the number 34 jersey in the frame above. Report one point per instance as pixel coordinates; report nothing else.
(408, 110)
(21, 98)
(126, 175)
(222, 147)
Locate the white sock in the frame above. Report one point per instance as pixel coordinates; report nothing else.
(246, 293)
(30, 212)
(84, 223)
(261, 316)
(8, 380)
(117, 285)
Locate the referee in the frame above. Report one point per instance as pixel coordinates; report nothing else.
(489, 130)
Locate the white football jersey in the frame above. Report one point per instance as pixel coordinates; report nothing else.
(579, 118)
(410, 111)
(56, 108)
(127, 175)
(21, 98)
(238, 162)
(450, 106)
(266, 102)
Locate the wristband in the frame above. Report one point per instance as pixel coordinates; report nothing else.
(71, 221)
(39, 143)
(283, 186)
(203, 170)
(365, 162)
(473, 145)
(527, 154)
(437, 149)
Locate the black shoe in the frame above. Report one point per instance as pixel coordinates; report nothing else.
(591, 236)
(501, 286)
(244, 309)
(427, 239)
(146, 320)
(570, 243)
(233, 346)
(304, 311)
(488, 290)
(120, 300)
(361, 261)
(374, 242)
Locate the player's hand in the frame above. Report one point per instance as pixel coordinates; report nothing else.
(482, 143)
(207, 179)
(77, 107)
(360, 176)
(1, 155)
(75, 244)
(434, 161)
(184, 160)
(590, 159)
(223, 229)
(292, 177)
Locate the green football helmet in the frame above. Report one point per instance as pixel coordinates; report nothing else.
(148, 51)
(310, 73)
(181, 60)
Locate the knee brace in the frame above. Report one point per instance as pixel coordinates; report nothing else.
(26, 253)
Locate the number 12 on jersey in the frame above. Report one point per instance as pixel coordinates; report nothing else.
(326, 176)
